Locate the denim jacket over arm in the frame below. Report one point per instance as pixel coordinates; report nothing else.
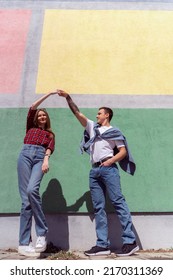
(127, 163)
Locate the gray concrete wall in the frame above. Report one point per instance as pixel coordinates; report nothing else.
(77, 232)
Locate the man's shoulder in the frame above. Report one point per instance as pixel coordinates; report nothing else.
(90, 123)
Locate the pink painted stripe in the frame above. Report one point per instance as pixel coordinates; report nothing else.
(14, 26)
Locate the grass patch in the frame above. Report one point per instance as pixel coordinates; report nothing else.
(56, 253)
(63, 255)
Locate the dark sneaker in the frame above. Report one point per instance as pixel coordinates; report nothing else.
(97, 251)
(128, 249)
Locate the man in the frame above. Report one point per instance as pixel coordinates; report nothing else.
(107, 147)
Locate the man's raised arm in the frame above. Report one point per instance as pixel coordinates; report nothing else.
(74, 108)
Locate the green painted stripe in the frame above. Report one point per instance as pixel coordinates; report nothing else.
(65, 188)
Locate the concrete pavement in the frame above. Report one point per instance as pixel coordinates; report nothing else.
(12, 254)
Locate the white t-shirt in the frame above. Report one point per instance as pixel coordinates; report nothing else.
(101, 148)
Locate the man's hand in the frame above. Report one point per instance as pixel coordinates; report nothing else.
(62, 93)
(119, 156)
(108, 162)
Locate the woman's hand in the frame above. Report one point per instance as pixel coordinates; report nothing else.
(45, 167)
(53, 93)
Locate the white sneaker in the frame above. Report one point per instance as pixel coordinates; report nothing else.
(28, 250)
(41, 244)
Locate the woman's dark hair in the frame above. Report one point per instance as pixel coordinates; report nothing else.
(48, 123)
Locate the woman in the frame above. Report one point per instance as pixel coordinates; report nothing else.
(33, 163)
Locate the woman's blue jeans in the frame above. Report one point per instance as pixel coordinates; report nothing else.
(102, 179)
(29, 178)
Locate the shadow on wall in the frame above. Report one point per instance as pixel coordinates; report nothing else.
(54, 203)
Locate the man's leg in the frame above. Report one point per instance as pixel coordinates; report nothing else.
(111, 179)
(98, 198)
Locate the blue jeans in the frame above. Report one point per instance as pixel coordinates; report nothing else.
(29, 178)
(102, 179)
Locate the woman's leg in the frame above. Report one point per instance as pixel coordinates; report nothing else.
(33, 191)
(35, 200)
(24, 167)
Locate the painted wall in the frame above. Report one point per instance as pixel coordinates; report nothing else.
(104, 54)
(65, 187)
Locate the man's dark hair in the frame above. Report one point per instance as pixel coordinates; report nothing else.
(107, 111)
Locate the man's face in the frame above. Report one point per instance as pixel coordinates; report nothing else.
(101, 116)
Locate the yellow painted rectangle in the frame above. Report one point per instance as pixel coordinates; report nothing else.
(107, 52)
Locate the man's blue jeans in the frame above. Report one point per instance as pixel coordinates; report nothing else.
(102, 179)
(29, 177)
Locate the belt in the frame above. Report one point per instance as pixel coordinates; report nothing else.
(97, 164)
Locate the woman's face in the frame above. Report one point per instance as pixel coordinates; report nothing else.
(41, 119)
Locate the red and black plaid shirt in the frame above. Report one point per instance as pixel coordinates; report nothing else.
(36, 135)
